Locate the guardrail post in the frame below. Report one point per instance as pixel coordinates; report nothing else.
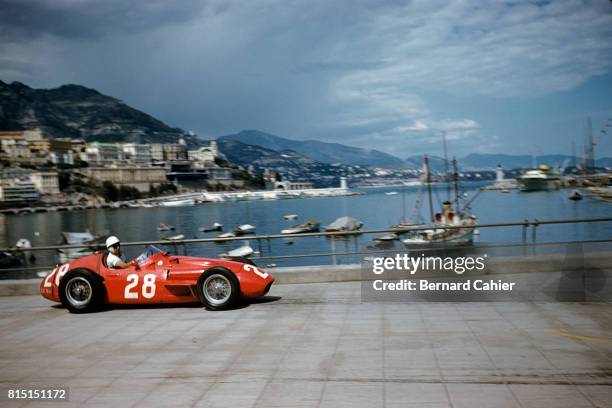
(333, 249)
(533, 231)
(525, 226)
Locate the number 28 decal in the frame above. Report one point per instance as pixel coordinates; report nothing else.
(248, 268)
(148, 286)
(57, 273)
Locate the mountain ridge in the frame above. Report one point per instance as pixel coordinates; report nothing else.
(76, 111)
(324, 152)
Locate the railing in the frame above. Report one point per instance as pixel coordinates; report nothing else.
(266, 240)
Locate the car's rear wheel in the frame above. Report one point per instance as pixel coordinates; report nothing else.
(218, 289)
(81, 291)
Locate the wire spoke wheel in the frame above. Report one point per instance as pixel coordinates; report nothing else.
(79, 291)
(217, 289)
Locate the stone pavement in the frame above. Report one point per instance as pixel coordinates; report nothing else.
(316, 345)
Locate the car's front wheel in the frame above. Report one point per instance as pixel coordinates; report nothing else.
(218, 288)
(81, 291)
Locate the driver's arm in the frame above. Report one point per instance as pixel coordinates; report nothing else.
(121, 265)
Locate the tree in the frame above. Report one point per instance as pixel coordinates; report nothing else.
(109, 191)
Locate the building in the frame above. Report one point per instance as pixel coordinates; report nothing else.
(13, 173)
(15, 148)
(204, 153)
(18, 192)
(168, 152)
(46, 182)
(157, 152)
(138, 177)
(291, 185)
(175, 151)
(138, 153)
(26, 135)
(103, 153)
(61, 150)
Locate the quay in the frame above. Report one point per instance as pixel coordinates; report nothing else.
(197, 198)
(319, 345)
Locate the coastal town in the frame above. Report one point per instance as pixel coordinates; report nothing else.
(51, 171)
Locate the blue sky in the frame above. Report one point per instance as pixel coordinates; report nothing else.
(498, 76)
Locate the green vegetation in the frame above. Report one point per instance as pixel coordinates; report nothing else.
(71, 182)
(250, 181)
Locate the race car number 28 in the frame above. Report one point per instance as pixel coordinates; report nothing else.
(248, 267)
(148, 286)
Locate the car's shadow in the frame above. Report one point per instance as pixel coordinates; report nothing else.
(241, 304)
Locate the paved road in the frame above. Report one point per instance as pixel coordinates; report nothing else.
(316, 345)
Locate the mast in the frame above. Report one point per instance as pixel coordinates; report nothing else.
(403, 201)
(448, 181)
(428, 181)
(456, 184)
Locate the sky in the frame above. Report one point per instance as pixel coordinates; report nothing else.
(514, 77)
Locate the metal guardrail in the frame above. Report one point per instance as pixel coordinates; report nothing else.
(525, 224)
(334, 236)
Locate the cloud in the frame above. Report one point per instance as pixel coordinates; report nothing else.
(358, 72)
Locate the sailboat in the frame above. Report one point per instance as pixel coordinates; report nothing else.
(451, 215)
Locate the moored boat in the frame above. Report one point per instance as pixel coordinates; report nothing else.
(178, 203)
(308, 226)
(539, 179)
(244, 229)
(344, 224)
(164, 227)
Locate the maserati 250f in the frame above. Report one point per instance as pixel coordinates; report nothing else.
(86, 284)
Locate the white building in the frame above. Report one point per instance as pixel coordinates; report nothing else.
(20, 191)
(138, 153)
(45, 182)
(16, 148)
(292, 185)
(103, 153)
(205, 153)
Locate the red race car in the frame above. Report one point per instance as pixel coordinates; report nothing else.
(86, 284)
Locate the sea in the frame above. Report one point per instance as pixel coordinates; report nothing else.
(377, 209)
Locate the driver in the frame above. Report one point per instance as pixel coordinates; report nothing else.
(114, 259)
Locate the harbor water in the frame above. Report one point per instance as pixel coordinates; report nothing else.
(375, 209)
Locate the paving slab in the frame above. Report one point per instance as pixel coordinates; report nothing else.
(312, 345)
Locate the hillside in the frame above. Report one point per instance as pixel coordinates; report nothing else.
(320, 151)
(78, 112)
(292, 165)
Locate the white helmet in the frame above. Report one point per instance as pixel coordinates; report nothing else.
(112, 240)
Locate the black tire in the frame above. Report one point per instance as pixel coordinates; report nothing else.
(81, 291)
(218, 289)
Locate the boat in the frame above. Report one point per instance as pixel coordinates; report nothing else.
(504, 190)
(601, 193)
(244, 229)
(308, 226)
(452, 215)
(215, 227)
(390, 193)
(10, 260)
(539, 179)
(227, 235)
(165, 227)
(344, 224)
(575, 196)
(178, 203)
(290, 217)
(240, 252)
(386, 238)
(441, 237)
(177, 237)
(86, 238)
